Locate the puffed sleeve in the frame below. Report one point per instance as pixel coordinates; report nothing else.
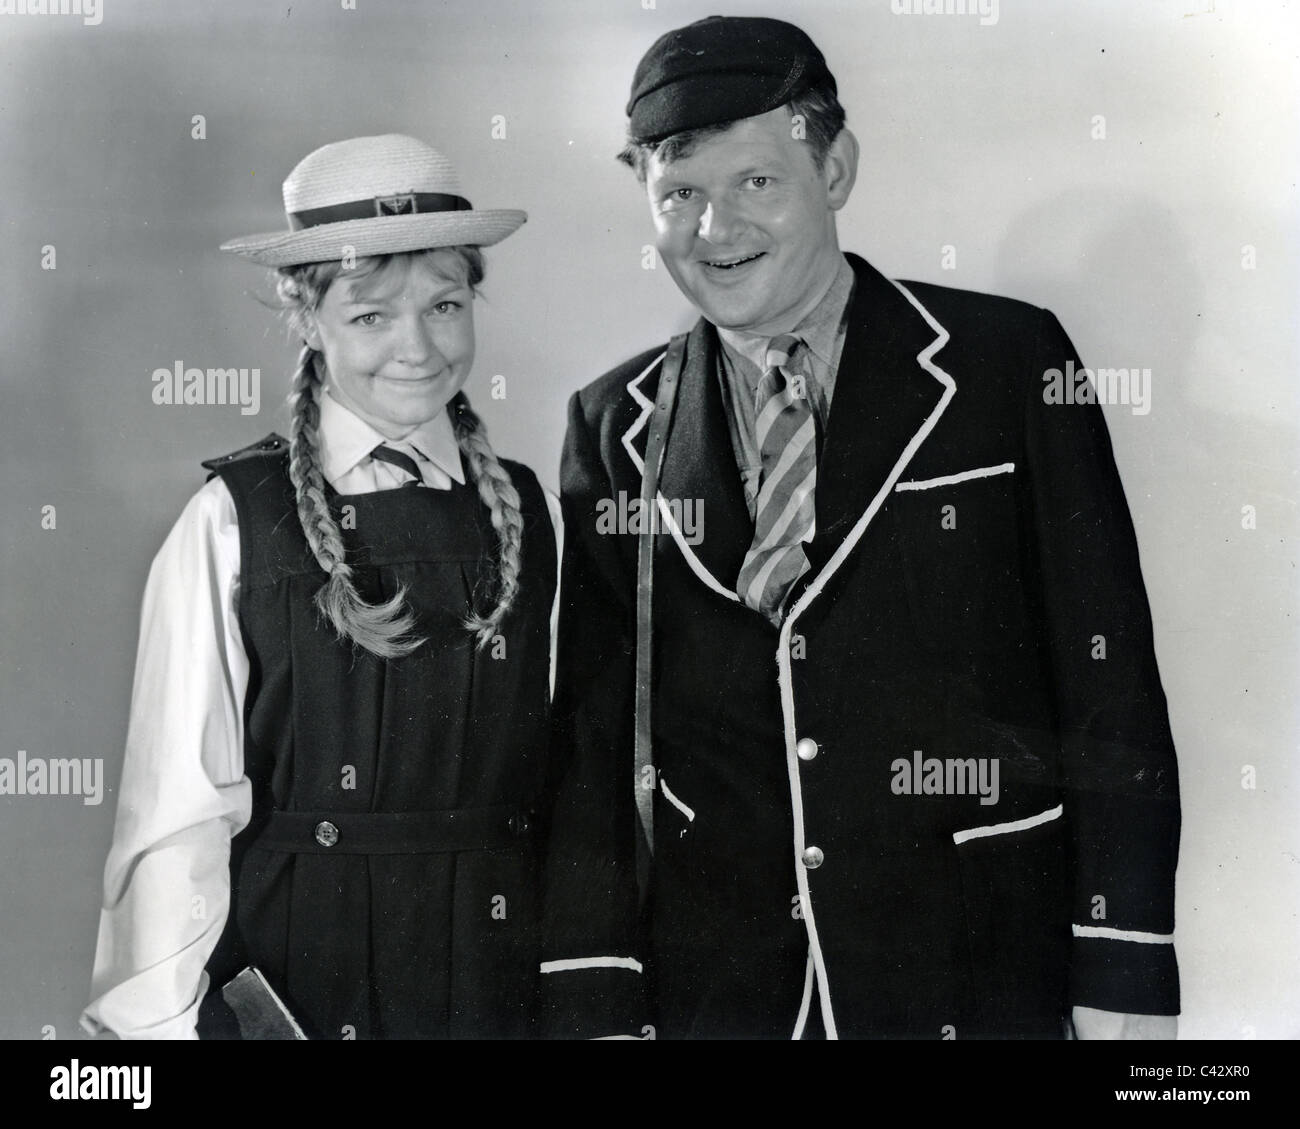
(183, 792)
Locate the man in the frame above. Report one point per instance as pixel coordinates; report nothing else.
(881, 749)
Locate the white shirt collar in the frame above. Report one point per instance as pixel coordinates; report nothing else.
(346, 439)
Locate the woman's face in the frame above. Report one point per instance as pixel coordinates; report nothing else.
(399, 343)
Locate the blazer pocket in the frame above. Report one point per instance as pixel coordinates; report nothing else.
(1016, 898)
(962, 551)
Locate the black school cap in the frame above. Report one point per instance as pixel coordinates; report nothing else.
(717, 70)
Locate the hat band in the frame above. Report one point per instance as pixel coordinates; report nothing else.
(403, 204)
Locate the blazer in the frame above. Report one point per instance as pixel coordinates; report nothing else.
(940, 801)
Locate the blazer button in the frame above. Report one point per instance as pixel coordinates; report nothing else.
(326, 833)
(813, 857)
(806, 749)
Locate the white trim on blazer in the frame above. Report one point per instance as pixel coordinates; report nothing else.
(784, 676)
(1122, 934)
(647, 408)
(572, 964)
(817, 964)
(953, 479)
(1007, 828)
(801, 1020)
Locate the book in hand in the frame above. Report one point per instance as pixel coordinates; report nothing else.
(260, 1012)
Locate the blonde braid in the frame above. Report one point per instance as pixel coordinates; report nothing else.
(502, 499)
(382, 629)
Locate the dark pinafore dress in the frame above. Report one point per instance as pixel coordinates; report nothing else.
(387, 883)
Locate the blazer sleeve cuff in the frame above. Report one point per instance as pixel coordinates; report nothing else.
(594, 997)
(1116, 970)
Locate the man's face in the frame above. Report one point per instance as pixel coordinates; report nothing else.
(746, 223)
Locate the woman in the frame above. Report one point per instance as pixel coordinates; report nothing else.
(344, 660)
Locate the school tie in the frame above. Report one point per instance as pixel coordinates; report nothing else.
(402, 461)
(784, 516)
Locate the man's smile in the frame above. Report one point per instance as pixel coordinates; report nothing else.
(731, 263)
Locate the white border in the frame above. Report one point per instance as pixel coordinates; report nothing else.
(1123, 934)
(575, 964)
(1007, 828)
(647, 408)
(689, 813)
(784, 677)
(952, 479)
(801, 1020)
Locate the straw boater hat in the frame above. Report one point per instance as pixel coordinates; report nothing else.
(377, 196)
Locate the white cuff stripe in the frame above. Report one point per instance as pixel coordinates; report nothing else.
(576, 963)
(952, 479)
(1004, 828)
(1123, 934)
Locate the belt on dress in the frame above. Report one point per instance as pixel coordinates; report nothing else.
(394, 833)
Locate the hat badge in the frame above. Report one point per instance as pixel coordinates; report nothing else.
(400, 205)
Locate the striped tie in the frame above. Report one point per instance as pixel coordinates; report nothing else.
(401, 460)
(783, 516)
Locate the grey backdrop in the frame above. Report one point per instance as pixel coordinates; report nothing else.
(978, 137)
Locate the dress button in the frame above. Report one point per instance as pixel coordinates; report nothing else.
(806, 748)
(519, 823)
(326, 833)
(813, 857)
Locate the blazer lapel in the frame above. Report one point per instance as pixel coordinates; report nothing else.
(888, 393)
(700, 468)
